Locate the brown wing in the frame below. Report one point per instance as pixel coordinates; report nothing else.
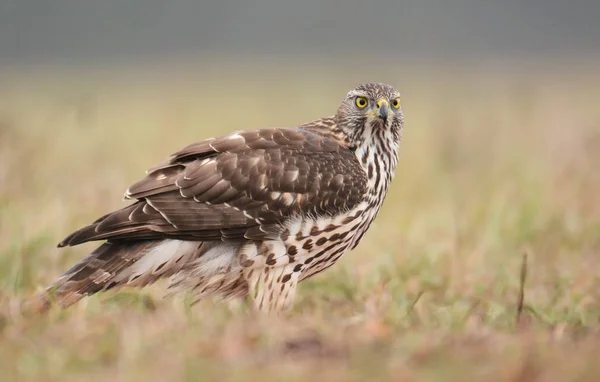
(243, 185)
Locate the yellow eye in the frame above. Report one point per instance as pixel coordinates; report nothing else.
(396, 103)
(361, 102)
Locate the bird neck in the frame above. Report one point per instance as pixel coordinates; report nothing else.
(377, 152)
(378, 155)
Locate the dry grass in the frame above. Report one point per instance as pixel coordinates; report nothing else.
(492, 168)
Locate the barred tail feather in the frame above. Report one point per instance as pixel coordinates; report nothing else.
(116, 264)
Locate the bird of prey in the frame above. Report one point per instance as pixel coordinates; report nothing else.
(250, 214)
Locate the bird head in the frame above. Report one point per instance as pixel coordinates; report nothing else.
(371, 110)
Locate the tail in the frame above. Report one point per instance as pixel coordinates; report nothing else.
(116, 264)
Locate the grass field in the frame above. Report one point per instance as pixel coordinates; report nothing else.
(493, 168)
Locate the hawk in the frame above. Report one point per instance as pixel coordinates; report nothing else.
(250, 214)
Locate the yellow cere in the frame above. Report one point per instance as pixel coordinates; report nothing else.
(381, 101)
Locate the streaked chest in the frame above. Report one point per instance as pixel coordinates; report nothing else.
(319, 243)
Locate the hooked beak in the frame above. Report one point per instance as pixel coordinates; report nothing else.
(383, 108)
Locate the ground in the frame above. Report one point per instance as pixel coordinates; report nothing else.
(483, 264)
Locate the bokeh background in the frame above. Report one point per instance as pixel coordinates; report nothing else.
(75, 33)
(500, 159)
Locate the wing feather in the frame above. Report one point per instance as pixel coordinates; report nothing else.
(243, 185)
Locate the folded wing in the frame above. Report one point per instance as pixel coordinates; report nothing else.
(244, 185)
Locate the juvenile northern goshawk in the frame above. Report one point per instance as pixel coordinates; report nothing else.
(249, 214)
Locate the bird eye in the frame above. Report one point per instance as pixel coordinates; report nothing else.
(361, 102)
(396, 103)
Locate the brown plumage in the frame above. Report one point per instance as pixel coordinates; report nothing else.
(223, 189)
(248, 214)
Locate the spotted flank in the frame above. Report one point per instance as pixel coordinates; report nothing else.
(248, 215)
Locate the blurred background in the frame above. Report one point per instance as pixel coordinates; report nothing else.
(499, 157)
(73, 33)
